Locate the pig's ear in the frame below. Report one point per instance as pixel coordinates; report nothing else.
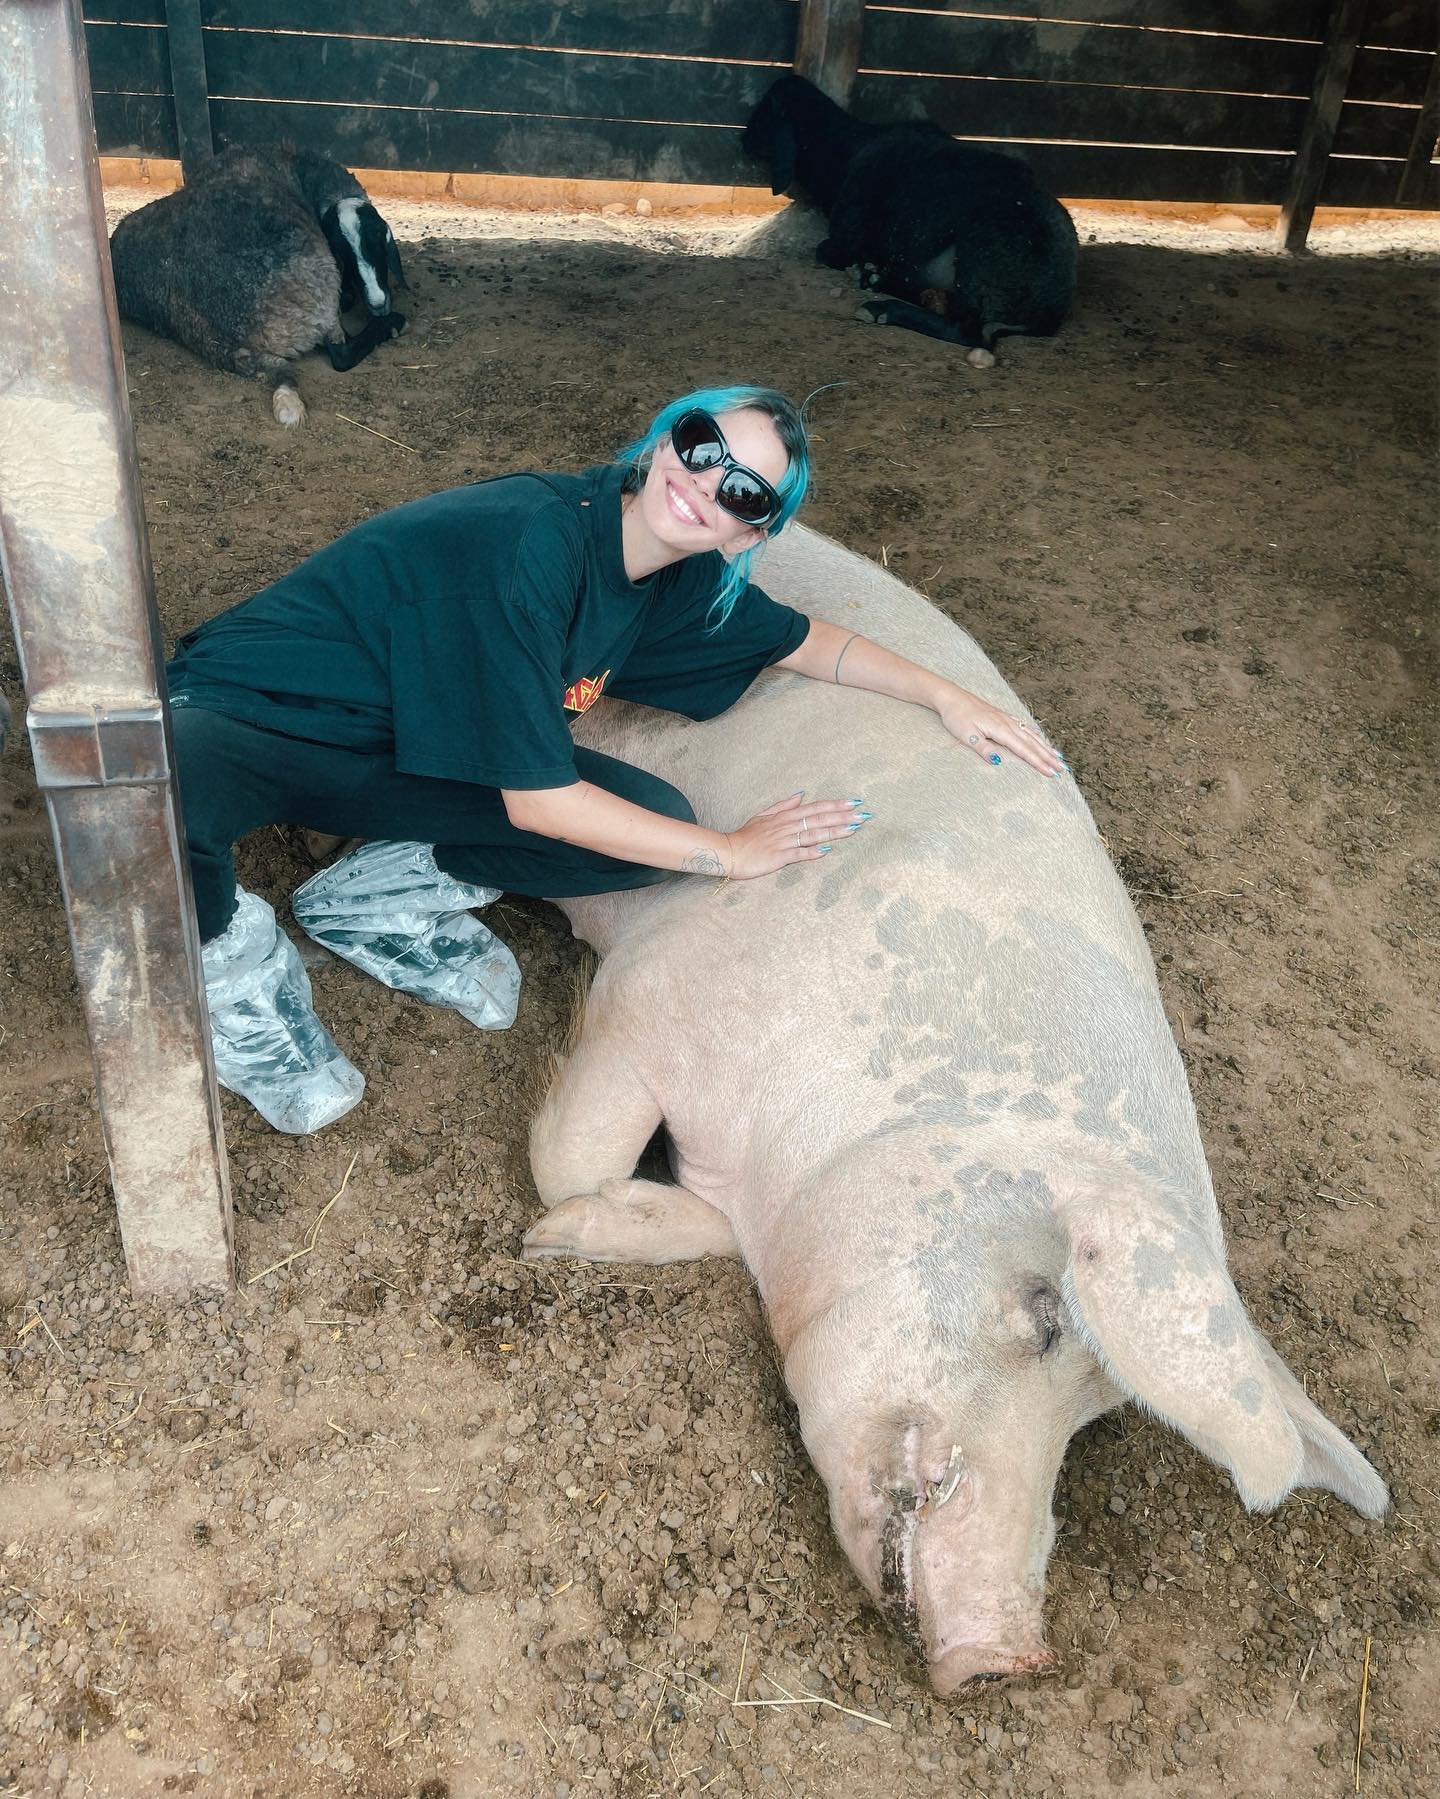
(1151, 1300)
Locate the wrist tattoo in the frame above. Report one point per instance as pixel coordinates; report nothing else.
(841, 657)
(702, 862)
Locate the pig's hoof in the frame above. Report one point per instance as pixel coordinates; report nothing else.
(569, 1230)
(631, 1221)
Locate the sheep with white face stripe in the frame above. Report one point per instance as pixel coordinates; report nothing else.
(253, 263)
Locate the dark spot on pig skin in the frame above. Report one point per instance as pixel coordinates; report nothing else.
(936, 1204)
(1248, 1395)
(1013, 1195)
(875, 960)
(870, 898)
(1222, 1326)
(943, 1096)
(787, 877)
(887, 1127)
(1019, 824)
(969, 1000)
(1155, 1268)
(1035, 1105)
(732, 899)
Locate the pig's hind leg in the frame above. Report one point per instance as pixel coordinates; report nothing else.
(595, 1122)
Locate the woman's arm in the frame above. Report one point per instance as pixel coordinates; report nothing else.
(792, 830)
(830, 653)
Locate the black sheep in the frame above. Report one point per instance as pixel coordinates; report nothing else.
(253, 262)
(968, 242)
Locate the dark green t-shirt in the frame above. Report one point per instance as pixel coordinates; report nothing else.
(465, 630)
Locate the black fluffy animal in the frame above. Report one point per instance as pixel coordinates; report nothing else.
(968, 242)
(254, 261)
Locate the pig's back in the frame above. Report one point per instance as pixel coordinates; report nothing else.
(968, 963)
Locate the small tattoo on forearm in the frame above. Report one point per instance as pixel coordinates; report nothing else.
(702, 862)
(841, 657)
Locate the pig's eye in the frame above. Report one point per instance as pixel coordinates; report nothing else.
(1044, 1307)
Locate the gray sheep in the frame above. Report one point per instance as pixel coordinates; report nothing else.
(253, 263)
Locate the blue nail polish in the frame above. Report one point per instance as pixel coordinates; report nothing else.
(854, 827)
(825, 848)
(995, 759)
(854, 802)
(865, 815)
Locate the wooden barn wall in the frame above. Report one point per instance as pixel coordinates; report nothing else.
(1118, 99)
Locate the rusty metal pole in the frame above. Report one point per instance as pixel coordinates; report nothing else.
(75, 564)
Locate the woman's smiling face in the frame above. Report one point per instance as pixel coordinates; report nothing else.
(680, 508)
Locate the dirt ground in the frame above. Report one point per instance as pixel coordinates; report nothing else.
(407, 1517)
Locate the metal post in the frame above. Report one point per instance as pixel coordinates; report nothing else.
(827, 44)
(74, 560)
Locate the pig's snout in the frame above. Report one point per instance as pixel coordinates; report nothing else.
(968, 1662)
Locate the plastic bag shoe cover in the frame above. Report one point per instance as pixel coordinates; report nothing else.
(390, 910)
(270, 1048)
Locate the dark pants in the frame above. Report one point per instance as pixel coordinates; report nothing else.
(236, 778)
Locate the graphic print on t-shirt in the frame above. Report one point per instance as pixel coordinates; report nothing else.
(583, 694)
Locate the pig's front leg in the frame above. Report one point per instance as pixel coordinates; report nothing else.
(595, 1122)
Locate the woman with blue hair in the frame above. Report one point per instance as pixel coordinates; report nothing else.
(414, 683)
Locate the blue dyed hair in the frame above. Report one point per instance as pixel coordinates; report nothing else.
(791, 487)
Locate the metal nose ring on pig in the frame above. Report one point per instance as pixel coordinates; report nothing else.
(958, 1154)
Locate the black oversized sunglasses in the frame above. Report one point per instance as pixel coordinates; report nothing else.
(700, 445)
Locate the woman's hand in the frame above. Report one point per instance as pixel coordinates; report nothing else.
(987, 730)
(793, 830)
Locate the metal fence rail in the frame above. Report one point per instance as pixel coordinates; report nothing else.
(1203, 100)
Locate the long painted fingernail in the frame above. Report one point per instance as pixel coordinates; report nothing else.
(854, 827)
(995, 759)
(854, 802)
(865, 815)
(825, 848)
(798, 794)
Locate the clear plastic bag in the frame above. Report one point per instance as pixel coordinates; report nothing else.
(391, 911)
(270, 1048)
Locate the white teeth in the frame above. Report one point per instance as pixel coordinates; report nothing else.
(686, 511)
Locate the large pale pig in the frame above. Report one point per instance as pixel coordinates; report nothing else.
(924, 1087)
